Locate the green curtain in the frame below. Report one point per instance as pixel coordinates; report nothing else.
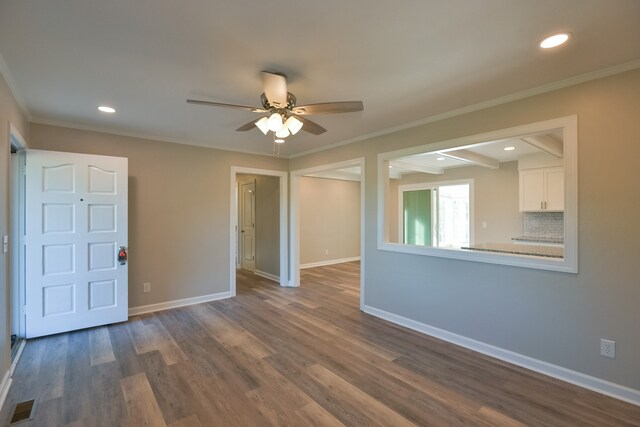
(417, 217)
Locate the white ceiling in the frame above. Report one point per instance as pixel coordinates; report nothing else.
(438, 162)
(406, 59)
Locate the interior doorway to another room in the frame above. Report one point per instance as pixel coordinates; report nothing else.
(259, 224)
(327, 218)
(15, 243)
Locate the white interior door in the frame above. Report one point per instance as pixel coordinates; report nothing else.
(248, 225)
(76, 221)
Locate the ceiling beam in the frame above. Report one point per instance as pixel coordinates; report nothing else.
(403, 164)
(546, 143)
(471, 157)
(395, 173)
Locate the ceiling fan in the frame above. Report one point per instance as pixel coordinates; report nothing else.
(282, 116)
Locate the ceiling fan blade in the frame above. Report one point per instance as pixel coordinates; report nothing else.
(329, 108)
(311, 127)
(275, 89)
(248, 126)
(219, 104)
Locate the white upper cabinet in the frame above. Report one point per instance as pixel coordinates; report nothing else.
(542, 189)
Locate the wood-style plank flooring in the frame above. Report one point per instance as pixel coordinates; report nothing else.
(298, 357)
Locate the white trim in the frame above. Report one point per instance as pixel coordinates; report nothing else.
(14, 362)
(17, 229)
(571, 81)
(4, 387)
(598, 385)
(134, 311)
(329, 262)
(148, 137)
(294, 232)
(569, 264)
(284, 219)
(16, 136)
(267, 275)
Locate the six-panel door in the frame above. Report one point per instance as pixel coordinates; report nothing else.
(76, 221)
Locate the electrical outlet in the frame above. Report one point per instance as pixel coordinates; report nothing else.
(484, 224)
(146, 287)
(326, 251)
(608, 348)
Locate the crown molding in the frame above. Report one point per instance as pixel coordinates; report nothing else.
(572, 81)
(13, 88)
(560, 84)
(98, 129)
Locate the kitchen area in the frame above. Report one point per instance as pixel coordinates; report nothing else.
(504, 196)
(541, 207)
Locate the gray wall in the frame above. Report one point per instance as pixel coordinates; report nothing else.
(555, 317)
(267, 222)
(9, 113)
(178, 209)
(496, 200)
(329, 219)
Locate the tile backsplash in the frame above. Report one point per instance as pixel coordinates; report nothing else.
(543, 224)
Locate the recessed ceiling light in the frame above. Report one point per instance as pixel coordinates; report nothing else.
(106, 109)
(390, 166)
(440, 158)
(554, 40)
(509, 148)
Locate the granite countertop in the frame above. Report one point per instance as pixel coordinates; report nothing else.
(539, 239)
(519, 249)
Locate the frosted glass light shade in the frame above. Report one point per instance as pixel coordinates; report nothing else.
(283, 133)
(275, 122)
(293, 124)
(263, 125)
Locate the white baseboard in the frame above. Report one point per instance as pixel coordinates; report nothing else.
(4, 387)
(598, 385)
(329, 262)
(14, 363)
(267, 275)
(134, 311)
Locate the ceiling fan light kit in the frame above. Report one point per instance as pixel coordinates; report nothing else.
(263, 125)
(284, 117)
(293, 124)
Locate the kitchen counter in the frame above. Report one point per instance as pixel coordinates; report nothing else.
(539, 239)
(519, 249)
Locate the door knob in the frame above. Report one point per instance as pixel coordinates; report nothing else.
(122, 255)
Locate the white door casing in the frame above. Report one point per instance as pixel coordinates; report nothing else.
(76, 206)
(248, 225)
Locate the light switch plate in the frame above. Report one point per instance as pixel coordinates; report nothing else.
(5, 244)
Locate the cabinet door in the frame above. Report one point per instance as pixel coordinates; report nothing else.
(531, 190)
(554, 183)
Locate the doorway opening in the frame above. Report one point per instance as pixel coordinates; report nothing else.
(16, 246)
(258, 240)
(327, 221)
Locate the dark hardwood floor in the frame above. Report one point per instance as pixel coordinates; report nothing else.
(273, 356)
